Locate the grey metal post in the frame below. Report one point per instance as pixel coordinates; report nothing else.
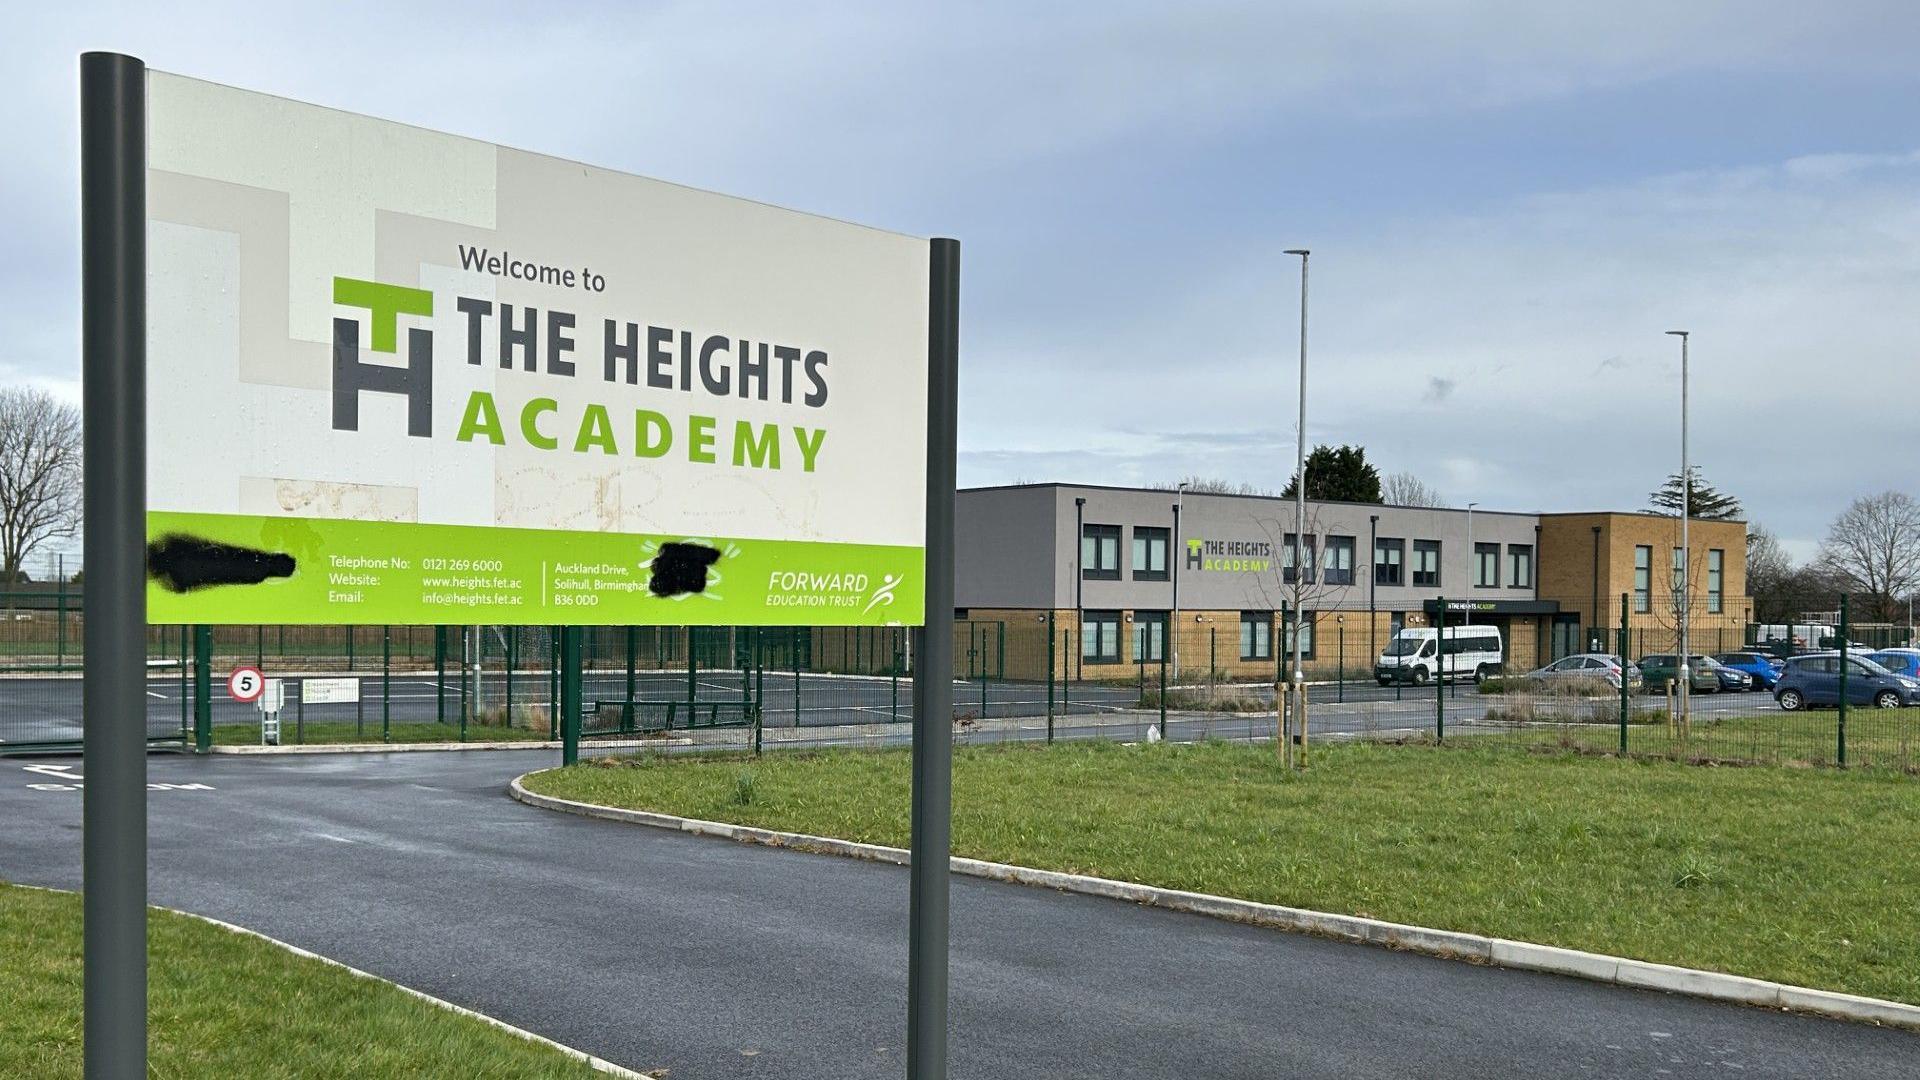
(1686, 517)
(113, 232)
(933, 689)
(1174, 554)
(1300, 486)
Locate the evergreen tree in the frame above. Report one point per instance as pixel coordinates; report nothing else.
(1339, 474)
(1707, 503)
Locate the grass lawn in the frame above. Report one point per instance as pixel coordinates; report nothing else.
(345, 731)
(1725, 731)
(1799, 875)
(223, 1004)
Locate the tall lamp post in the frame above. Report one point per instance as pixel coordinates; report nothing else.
(1079, 583)
(1373, 583)
(1473, 567)
(1686, 518)
(1300, 498)
(1173, 624)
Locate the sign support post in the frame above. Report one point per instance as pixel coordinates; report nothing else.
(933, 689)
(113, 217)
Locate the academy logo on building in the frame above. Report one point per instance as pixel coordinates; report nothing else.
(1231, 556)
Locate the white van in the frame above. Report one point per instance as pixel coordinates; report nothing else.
(1465, 650)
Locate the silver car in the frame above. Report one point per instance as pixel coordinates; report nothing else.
(1587, 666)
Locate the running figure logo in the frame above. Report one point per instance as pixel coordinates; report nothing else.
(883, 596)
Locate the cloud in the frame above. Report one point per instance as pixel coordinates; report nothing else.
(1438, 389)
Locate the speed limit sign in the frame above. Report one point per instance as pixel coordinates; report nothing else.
(246, 683)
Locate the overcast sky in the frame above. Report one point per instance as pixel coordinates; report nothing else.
(1507, 203)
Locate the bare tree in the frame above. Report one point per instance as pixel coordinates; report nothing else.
(1201, 485)
(1406, 489)
(1874, 548)
(39, 474)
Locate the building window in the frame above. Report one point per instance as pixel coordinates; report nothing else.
(1486, 566)
(1520, 566)
(1396, 622)
(1304, 624)
(1256, 635)
(1388, 554)
(1100, 637)
(1150, 552)
(1716, 580)
(1643, 578)
(1426, 562)
(1337, 569)
(1286, 559)
(1100, 553)
(1149, 636)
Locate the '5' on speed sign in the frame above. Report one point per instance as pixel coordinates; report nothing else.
(246, 684)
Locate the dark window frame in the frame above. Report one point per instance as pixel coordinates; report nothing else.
(1398, 546)
(1642, 579)
(1093, 620)
(1515, 550)
(1164, 535)
(1142, 620)
(1309, 558)
(1484, 550)
(1330, 575)
(1716, 581)
(1253, 646)
(1434, 576)
(1098, 570)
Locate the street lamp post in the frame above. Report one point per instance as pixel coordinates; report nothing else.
(1079, 582)
(1686, 518)
(1300, 494)
(1173, 553)
(1473, 567)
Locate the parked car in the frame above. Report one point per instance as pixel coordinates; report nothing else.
(1762, 668)
(1600, 666)
(1899, 661)
(1815, 680)
(1738, 682)
(1658, 670)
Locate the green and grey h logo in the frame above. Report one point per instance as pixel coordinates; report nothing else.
(384, 304)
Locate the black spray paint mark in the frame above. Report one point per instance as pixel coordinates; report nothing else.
(185, 563)
(681, 568)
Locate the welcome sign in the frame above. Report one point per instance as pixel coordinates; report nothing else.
(397, 376)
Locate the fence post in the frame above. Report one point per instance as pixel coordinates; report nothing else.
(1624, 706)
(202, 688)
(692, 666)
(626, 710)
(60, 649)
(513, 656)
(1340, 633)
(1066, 669)
(1163, 694)
(1842, 731)
(350, 650)
(553, 682)
(1440, 670)
(386, 684)
(186, 693)
(260, 646)
(1050, 637)
(759, 683)
(796, 676)
(440, 674)
(570, 695)
(894, 666)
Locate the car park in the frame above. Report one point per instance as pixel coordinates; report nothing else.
(1731, 680)
(1761, 667)
(1659, 669)
(1418, 654)
(1815, 681)
(1573, 669)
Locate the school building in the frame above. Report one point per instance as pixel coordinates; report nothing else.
(1098, 581)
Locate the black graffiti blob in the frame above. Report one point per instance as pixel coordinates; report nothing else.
(184, 563)
(681, 568)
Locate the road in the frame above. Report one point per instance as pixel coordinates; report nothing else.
(711, 959)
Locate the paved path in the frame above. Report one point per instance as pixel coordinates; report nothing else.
(720, 960)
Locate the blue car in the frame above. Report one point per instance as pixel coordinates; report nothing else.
(1763, 669)
(1815, 680)
(1899, 661)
